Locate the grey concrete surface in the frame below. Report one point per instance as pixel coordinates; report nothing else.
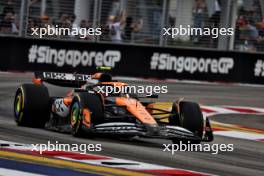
(246, 159)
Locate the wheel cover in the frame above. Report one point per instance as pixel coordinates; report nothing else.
(18, 104)
(75, 113)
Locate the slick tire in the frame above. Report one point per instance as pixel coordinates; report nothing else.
(86, 110)
(174, 118)
(32, 105)
(191, 118)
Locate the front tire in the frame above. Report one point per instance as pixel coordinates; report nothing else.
(191, 118)
(86, 110)
(31, 105)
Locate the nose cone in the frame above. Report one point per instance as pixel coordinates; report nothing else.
(137, 109)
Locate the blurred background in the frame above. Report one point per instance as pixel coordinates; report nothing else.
(133, 45)
(140, 22)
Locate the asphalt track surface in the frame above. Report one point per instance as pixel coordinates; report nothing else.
(246, 159)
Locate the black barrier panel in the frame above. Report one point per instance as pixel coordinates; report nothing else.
(140, 61)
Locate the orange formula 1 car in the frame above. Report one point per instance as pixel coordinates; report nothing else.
(87, 111)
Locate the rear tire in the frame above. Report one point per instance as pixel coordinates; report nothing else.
(31, 105)
(174, 118)
(191, 118)
(90, 102)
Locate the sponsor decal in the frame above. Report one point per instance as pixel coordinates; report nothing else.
(180, 64)
(259, 68)
(60, 108)
(66, 76)
(61, 57)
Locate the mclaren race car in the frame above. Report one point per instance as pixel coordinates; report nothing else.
(85, 111)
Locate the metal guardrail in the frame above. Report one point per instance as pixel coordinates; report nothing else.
(250, 26)
(141, 21)
(9, 17)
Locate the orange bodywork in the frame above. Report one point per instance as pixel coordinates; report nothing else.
(132, 105)
(115, 84)
(37, 81)
(137, 109)
(87, 117)
(149, 106)
(96, 75)
(67, 101)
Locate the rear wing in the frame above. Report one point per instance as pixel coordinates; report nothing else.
(63, 79)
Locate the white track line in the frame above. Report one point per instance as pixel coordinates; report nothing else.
(120, 163)
(11, 172)
(240, 134)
